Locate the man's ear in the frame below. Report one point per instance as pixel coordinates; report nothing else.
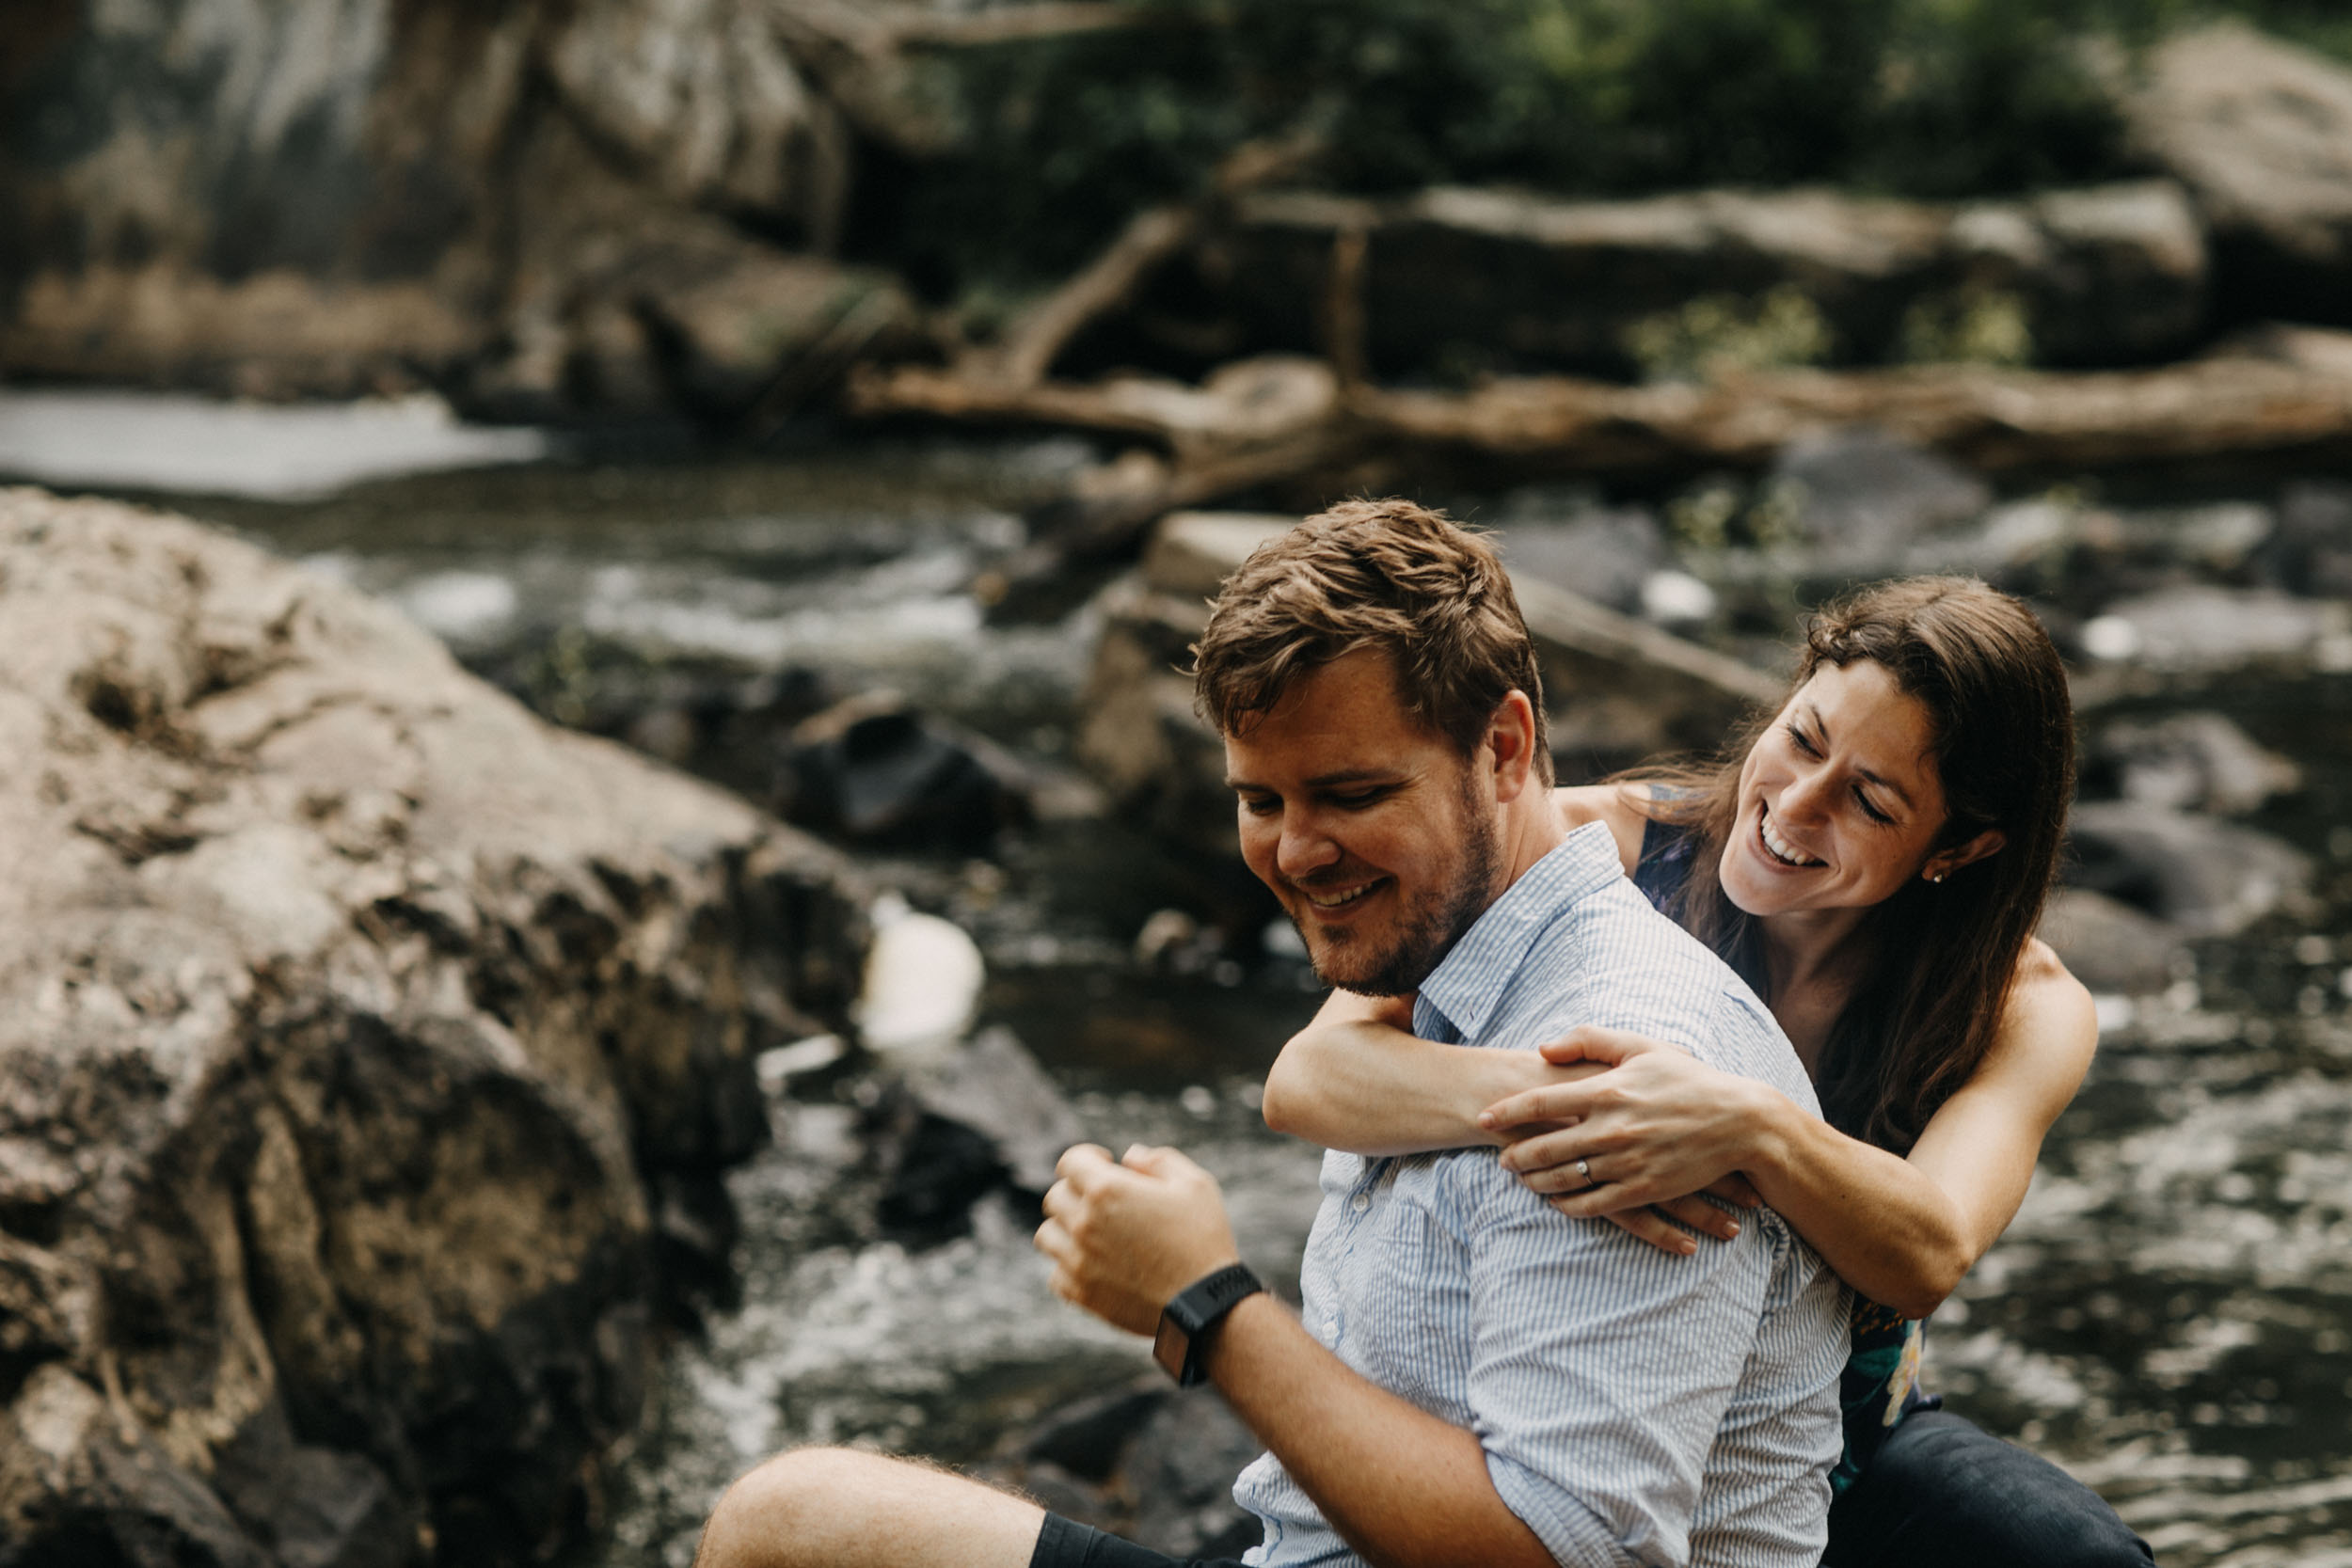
(1944, 862)
(1511, 741)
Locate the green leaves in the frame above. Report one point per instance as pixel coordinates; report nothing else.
(1938, 98)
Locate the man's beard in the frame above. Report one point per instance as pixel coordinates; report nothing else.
(1430, 930)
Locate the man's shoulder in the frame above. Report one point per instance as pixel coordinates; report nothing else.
(1612, 948)
(1612, 959)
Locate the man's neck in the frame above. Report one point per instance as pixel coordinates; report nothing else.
(1529, 829)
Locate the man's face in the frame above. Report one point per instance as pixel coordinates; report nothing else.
(1377, 836)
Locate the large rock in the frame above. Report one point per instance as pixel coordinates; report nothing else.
(1145, 1462)
(2200, 629)
(622, 306)
(2261, 131)
(1857, 499)
(1459, 281)
(338, 196)
(2194, 761)
(2311, 550)
(370, 1049)
(2113, 947)
(2201, 876)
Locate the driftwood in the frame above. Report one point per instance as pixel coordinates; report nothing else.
(2290, 389)
(1010, 23)
(985, 375)
(2278, 391)
(1028, 347)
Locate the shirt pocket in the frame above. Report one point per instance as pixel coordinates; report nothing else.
(1411, 1310)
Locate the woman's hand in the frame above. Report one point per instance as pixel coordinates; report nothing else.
(1655, 1131)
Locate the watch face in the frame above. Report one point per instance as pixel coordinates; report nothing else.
(1168, 1347)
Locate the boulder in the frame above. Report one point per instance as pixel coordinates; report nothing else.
(1144, 1461)
(2110, 947)
(1568, 539)
(2203, 877)
(963, 1125)
(626, 308)
(2311, 550)
(2261, 133)
(2203, 629)
(874, 770)
(1461, 281)
(371, 1049)
(2194, 761)
(548, 207)
(1857, 500)
(748, 326)
(278, 334)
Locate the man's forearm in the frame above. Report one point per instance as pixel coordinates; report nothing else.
(1401, 1486)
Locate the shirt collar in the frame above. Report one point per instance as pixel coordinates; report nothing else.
(1473, 975)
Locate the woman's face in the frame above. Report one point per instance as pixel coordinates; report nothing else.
(1841, 801)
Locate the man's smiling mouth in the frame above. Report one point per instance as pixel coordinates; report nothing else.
(1777, 846)
(1339, 900)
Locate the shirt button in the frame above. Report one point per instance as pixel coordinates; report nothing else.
(1330, 1328)
(1364, 1201)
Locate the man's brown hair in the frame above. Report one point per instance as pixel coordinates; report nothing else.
(1373, 574)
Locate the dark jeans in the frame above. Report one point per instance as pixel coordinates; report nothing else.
(1941, 1493)
(1067, 1544)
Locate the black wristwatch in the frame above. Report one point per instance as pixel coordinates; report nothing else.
(1186, 1321)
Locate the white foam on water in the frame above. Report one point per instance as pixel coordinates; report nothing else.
(270, 452)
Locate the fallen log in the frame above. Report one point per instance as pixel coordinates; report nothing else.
(2285, 389)
(983, 374)
(2276, 390)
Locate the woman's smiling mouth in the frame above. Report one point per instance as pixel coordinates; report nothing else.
(1777, 846)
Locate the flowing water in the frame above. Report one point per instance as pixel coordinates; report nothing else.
(2170, 1316)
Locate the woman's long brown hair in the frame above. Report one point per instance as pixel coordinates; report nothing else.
(1920, 1022)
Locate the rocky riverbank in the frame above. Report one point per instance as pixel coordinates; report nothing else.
(743, 620)
(373, 1054)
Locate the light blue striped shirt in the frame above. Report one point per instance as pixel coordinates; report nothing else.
(1636, 1407)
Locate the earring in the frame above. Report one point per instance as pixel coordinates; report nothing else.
(1938, 878)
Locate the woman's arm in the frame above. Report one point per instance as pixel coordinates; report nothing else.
(1356, 1080)
(1902, 1231)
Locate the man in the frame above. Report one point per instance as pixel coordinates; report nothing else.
(1478, 1380)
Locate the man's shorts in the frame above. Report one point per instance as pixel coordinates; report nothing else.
(1066, 1543)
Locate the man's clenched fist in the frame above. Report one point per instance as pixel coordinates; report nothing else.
(1125, 1236)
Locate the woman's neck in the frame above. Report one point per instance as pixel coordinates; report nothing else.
(1812, 960)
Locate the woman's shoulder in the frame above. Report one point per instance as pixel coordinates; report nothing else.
(2049, 1026)
(1619, 805)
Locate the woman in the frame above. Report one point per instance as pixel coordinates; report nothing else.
(1873, 862)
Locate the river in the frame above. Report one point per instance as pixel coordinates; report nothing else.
(2171, 1315)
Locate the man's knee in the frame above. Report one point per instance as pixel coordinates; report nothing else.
(835, 1508)
(792, 1509)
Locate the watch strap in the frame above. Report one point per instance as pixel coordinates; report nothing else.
(1195, 1309)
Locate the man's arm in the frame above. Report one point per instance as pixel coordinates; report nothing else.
(1403, 1487)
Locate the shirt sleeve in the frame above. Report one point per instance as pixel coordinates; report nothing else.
(1602, 1366)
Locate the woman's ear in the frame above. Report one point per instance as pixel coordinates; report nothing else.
(1944, 862)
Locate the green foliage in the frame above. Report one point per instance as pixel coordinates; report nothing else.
(1935, 98)
(1978, 326)
(1716, 335)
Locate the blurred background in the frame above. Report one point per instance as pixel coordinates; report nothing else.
(852, 403)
